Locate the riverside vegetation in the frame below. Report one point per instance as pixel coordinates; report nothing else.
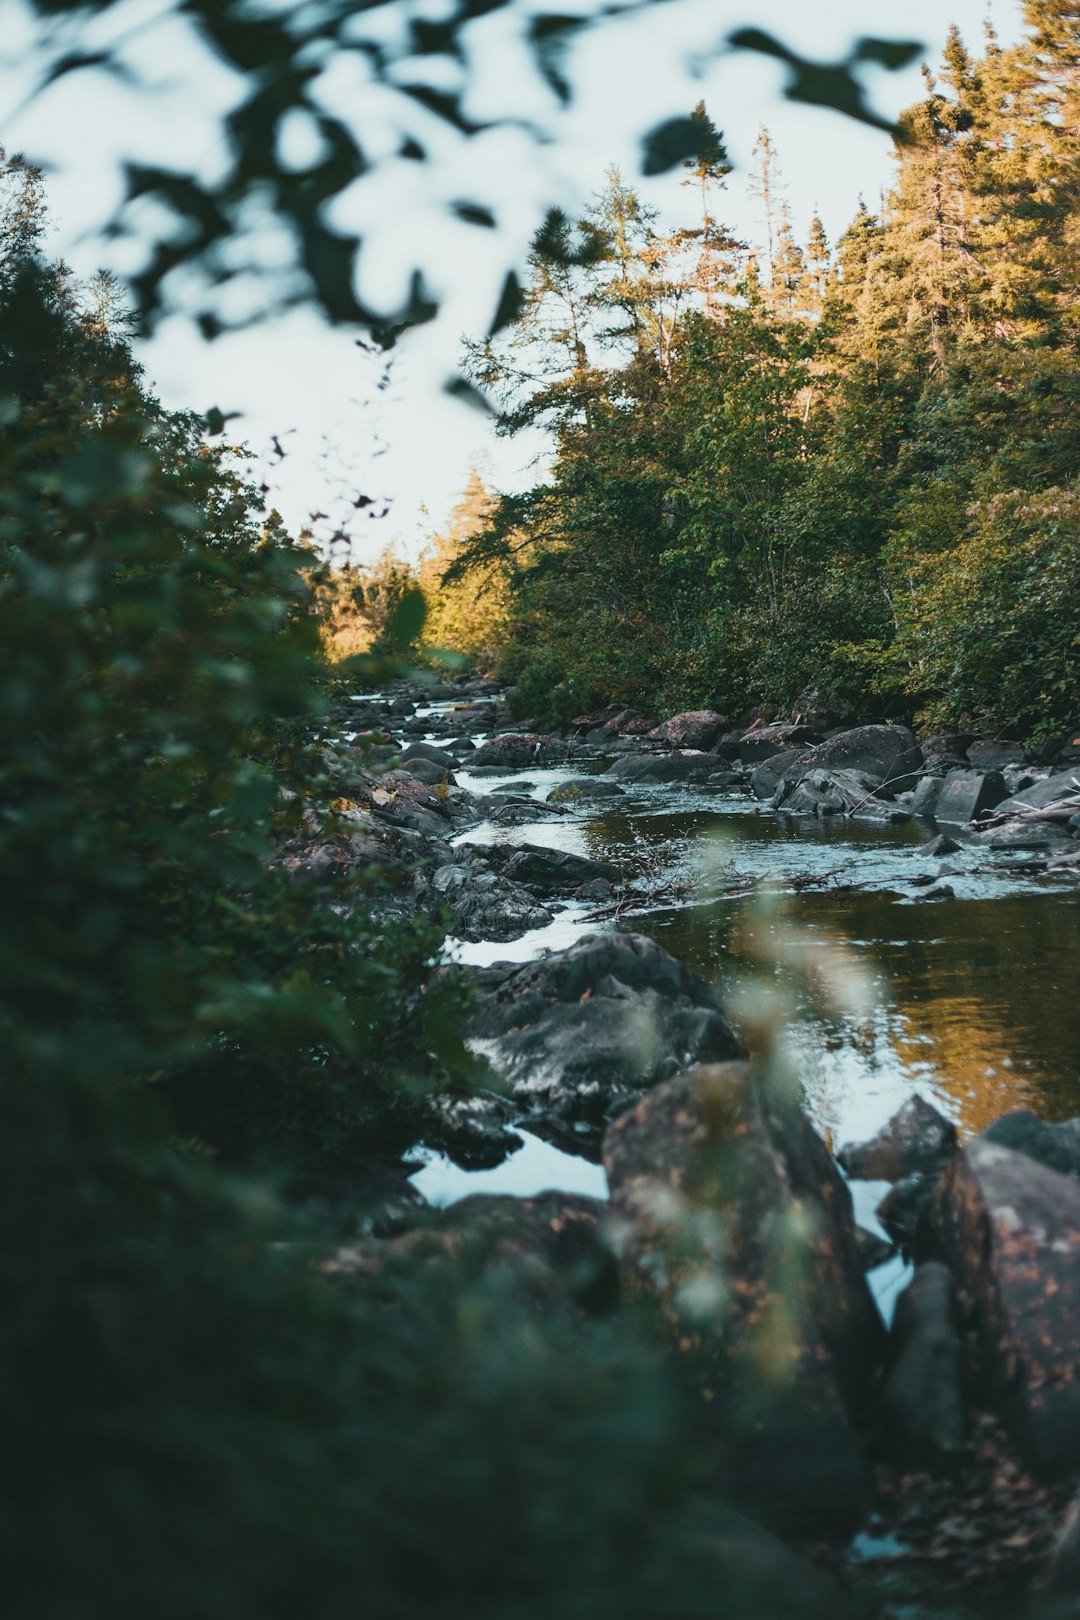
(241, 1369)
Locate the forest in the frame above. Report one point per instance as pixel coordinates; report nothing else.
(265, 837)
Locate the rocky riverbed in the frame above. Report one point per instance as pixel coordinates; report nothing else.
(884, 1345)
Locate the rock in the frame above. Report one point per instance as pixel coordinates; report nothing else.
(1064, 751)
(582, 1032)
(515, 751)
(873, 1250)
(923, 1403)
(994, 756)
(1008, 1228)
(697, 729)
(941, 845)
(917, 1139)
(684, 765)
(925, 797)
(521, 813)
(1051, 790)
(724, 780)
(485, 905)
(1023, 835)
(952, 746)
(514, 790)
(937, 891)
(584, 788)
(733, 1225)
(425, 770)
(887, 754)
(629, 723)
(1056, 1146)
(901, 1210)
(766, 777)
(824, 793)
(965, 795)
(762, 743)
(1062, 1585)
(437, 756)
(551, 871)
(472, 1129)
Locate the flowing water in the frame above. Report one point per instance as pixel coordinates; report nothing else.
(974, 1001)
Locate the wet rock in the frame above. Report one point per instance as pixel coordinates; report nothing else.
(1064, 750)
(553, 1243)
(485, 905)
(683, 765)
(582, 1032)
(724, 780)
(925, 796)
(766, 777)
(762, 743)
(887, 754)
(472, 1129)
(437, 756)
(824, 793)
(1051, 790)
(697, 729)
(923, 1405)
(941, 845)
(513, 790)
(732, 1223)
(951, 746)
(873, 1250)
(521, 813)
(582, 789)
(965, 795)
(518, 750)
(551, 871)
(936, 891)
(994, 756)
(1041, 835)
(425, 770)
(1008, 1228)
(917, 1139)
(901, 1210)
(1056, 1146)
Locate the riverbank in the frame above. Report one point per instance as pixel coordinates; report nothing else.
(534, 844)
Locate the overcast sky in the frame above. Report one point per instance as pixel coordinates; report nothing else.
(293, 376)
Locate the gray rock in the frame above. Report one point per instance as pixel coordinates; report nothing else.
(426, 770)
(926, 795)
(437, 756)
(518, 750)
(1008, 1228)
(1022, 835)
(994, 756)
(924, 1407)
(1056, 789)
(824, 793)
(762, 743)
(888, 754)
(766, 777)
(901, 1210)
(732, 1223)
(684, 765)
(965, 795)
(873, 1250)
(485, 905)
(552, 871)
(941, 845)
(1057, 1146)
(582, 1032)
(583, 789)
(917, 1139)
(936, 891)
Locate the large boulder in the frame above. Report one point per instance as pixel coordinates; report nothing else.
(824, 793)
(581, 1033)
(964, 795)
(697, 728)
(1057, 1146)
(682, 765)
(766, 777)
(551, 871)
(888, 754)
(1058, 789)
(485, 905)
(734, 1228)
(584, 790)
(518, 750)
(1008, 1228)
(916, 1140)
(994, 756)
(924, 1407)
(763, 742)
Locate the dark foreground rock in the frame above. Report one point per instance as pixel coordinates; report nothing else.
(734, 1226)
(683, 765)
(583, 1032)
(486, 905)
(924, 1405)
(1056, 1146)
(1008, 1228)
(917, 1139)
(551, 871)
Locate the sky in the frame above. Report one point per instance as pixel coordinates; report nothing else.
(345, 424)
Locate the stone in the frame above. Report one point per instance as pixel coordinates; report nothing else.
(888, 754)
(1008, 1228)
(724, 780)
(941, 845)
(582, 1032)
(437, 756)
(994, 756)
(873, 1251)
(917, 1139)
(518, 750)
(901, 1210)
(966, 795)
(1061, 1590)
(824, 793)
(697, 729)
(937, 891)
(425, 770)
(766, 777)
(682, 765)
(761, 743)
(1023, 835)
(923, 1405)
(485, 905)
(582, 789)
(1057, 1146)
(926, 795)
(734, 1229)
(521, 813)
(551, 871)
(1051, 790)
(952, 746)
